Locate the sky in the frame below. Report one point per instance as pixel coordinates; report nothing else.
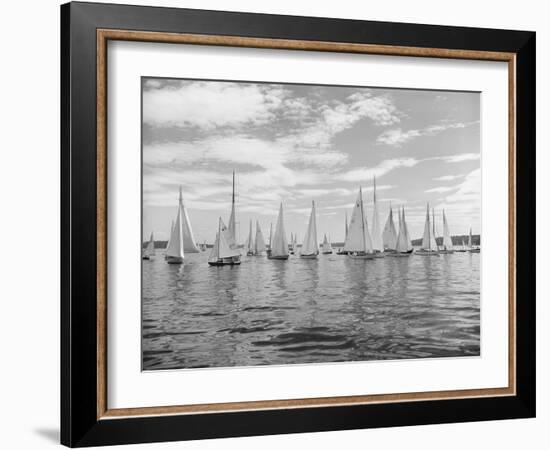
(294, 143)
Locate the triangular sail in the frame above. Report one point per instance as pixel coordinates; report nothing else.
(189, 243)
(433, 241)
(280, 243)
(150, 247)
(259, 243)
(346, 235)
(358, 239)
(377, 242)
(406, 228)
(389, 235)
(249, 245)
(427, 236)
(447, 241)
(175, 244)
(232, 226)
(402, 244)
(310, 245)
(170, 235)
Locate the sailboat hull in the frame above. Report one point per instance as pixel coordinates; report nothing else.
(233, 261)
(361, 255)
(280, 257)
(147, 258)
(446, 252)
(308, 256)
(327, 253)
(398, 254)
(379, 254)
(426, 253)
(474, 250)
(174, 259)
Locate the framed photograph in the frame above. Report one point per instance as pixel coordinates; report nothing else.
(276, 224)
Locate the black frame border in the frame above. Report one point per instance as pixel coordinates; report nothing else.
(79, 423)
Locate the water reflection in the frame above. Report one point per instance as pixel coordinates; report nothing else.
(305, 311)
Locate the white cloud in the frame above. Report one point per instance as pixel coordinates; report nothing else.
(397, 137)
(210, 104)
(366, 174)
(440, 189)
(448, 177)
(461, 157)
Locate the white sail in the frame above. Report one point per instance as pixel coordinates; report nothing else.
(170, 235)
(311, 245)
(346, 235)
(427, 237)
(447, 241)
(358, 239)
(175, 244)
(259, 244)
(402, 245)
(249, 245)
(279, 245)
(294, 243)
(189, 243)
(389, 235)
(150, 247)
(326, 246)
(434, 244)
(377, 242)
(406, 228)
(470, 239)
(232, 227)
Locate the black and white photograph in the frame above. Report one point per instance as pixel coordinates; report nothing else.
(293, 223)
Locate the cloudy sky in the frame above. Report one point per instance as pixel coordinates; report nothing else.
(296, 143)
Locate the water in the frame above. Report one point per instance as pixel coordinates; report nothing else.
(308, 311)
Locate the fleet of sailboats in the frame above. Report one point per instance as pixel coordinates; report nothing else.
(360, 242)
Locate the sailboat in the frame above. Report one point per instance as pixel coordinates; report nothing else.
(429, 245)
(341, 249)
(377, 242)
(169, 237)
(294, 245)
(189, 243)
(279, 244)
(326, 247)
(149, 249)
(389, 235)
(249, 245)
(472, 248)
(310, 247)
(222, 252)
(270, 239)
(403, 245)
(447, 240)
(232, 226)
(291, 244)
(358, 242)
(175, 250)
(259, 242)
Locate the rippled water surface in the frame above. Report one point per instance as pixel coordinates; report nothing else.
(308, 311)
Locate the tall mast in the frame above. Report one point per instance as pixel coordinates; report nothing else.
(233, 196)
(362, 219)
